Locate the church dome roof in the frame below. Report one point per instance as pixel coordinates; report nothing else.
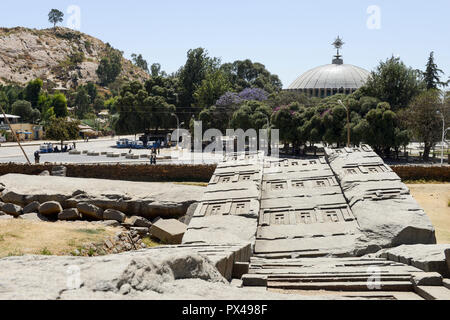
(332, 76)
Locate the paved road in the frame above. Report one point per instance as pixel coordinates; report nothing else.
(12, 153)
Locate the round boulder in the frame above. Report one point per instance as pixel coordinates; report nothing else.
(50, 208)
(90, 211)
(116, 215)
(32, 207)
(69, 215)
(12, 209)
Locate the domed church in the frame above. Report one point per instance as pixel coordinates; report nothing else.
(330, 79)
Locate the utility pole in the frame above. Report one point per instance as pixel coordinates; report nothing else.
(14, 133)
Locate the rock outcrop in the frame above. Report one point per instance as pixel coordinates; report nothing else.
(63, 57)
(161, 273)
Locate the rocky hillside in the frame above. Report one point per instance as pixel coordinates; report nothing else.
(61, 57)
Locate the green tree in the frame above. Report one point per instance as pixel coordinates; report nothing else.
(92, 91)
(82, 102)
(394, 83)
(22, 109)
(211, 88)
(110, 67)
(284, 119)
(140, 62)
(155, 70)
(380, 129)
(32, 91)
(197, 66)
(59, 104)
(62, 129)
(246, 74)
(431, 74)
(55, 16)
(423, 119)
(142, 108)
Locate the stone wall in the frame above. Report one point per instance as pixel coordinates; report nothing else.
(143, 172)
(415, 173)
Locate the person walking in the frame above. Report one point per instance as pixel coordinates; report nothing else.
(37, 157)
(154, 155)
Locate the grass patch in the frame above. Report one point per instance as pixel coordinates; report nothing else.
(15, 253)
(21, 237)
(150, 243)
(45, 252)
(91, 231)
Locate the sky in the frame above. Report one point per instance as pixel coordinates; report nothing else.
(288, 37)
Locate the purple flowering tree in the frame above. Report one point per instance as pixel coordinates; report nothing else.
(256, 94)
(229, 99)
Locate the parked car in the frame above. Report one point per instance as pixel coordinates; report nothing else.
(153, 144)
(123, 144)
(46, 148)
(137, 145)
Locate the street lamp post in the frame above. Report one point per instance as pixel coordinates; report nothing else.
(443, 137)
(348, 122)
(178, 128)
(269, 151)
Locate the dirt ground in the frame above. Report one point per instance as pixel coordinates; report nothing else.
(434, 198)
(18, 237)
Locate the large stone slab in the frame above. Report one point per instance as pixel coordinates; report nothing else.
(168, 231)
(429, 258)
(386, 212)
(221, 230)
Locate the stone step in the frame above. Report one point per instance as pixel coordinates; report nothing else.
(342, 286)
(433, 293)
(446, 283)
(341, 279)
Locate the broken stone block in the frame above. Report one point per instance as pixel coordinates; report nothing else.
(12, 209)
(426, 279)
(140, 230)
(50, 208)
(69, 215)
(116, 215)
(32, 207)
(139, 222)
(90, 211)
(34, 217)
(168, 231)
(429, 258)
